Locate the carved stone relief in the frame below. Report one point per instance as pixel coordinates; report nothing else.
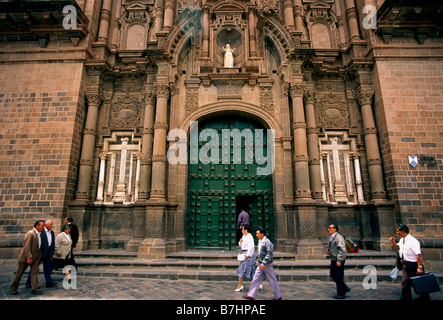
(331, 105)
(125, 111)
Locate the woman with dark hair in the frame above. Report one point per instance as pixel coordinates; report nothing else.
(246, 268)
(63, 250)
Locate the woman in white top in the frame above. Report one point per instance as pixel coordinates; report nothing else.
(247, 267)
(63, 250)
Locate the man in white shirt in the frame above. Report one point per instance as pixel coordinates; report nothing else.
(47, 248)
(410, 257)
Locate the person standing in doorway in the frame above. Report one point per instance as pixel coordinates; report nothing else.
(337, 253)
(242, 220)
(265, 267)
(410, 260)
(29, 256)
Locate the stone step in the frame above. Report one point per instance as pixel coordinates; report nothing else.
(222, 260)
(225, 275)
(224, 264)
(222, 255)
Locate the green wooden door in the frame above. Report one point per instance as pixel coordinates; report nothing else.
(217, 191)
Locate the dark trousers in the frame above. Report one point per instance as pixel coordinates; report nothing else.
(409, 270)
(47, 268)
(337, 274)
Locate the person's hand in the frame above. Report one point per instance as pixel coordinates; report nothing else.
(246, 257)
(29, 261)
(59, 254)
(338, 264)
(419, 270)
(262, 267)
(392, 240)
(327, 251)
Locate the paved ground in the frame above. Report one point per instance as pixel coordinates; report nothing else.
(109, 288)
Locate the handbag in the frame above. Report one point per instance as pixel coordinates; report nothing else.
(241, 257)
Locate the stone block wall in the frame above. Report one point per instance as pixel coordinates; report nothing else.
(409, 115)
(41, 116)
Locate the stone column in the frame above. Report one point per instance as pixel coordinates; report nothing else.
(168, 21)
(252, 36)
(298, 15)
(302, 184)
(341, 30)
(94, 100)
(351, 15)
(158, 19)
(364, 97)
(313, 147)
(205, 45)
(115, 28)
(288, 12)
(158, 181)
(146, 152)
(105, 18)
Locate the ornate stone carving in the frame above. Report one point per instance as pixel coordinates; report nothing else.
(333, 111)
(125, 111)
(364, 96)
(191, 99)
(267, 99)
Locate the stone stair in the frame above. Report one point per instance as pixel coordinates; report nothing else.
(212, 265)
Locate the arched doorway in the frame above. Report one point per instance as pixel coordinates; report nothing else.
(217, 191)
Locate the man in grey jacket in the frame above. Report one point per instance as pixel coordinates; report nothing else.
(337, 253)
(265, 267)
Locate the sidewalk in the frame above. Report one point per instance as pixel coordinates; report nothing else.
(120, 288)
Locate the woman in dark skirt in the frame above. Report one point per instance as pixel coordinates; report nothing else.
(63, 250)
(247, 267)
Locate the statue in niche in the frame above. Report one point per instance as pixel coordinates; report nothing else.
(229, 56)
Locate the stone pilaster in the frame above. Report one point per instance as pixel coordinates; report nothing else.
(364, 96)
(94, 99)
(147, 141)
(302, 185)
(313, 148)
(158, 181)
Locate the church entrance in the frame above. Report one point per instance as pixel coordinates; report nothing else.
(218, 190)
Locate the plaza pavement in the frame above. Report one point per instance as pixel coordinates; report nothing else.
(133, 288)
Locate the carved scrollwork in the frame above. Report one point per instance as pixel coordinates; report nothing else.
(333, 111)
(125, 111)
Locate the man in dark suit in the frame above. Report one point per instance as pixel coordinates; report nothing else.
(74, 233)
(47, 249)
(29, 255)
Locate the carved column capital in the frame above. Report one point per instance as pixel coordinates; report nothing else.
(94, 97)
(296, 90)
(364, 96)
(162, 89)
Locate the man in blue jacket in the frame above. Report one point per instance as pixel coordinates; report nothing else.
(265, 267)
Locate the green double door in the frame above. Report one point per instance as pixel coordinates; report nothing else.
(217, 192)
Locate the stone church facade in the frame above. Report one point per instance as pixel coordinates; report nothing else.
(90, 116)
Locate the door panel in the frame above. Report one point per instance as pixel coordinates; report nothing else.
(215, 192)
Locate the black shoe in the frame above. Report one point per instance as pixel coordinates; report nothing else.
(37, 291)
(348, 289)
(14, 292)
(339, 297)
(51, 284)
(28, 285)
